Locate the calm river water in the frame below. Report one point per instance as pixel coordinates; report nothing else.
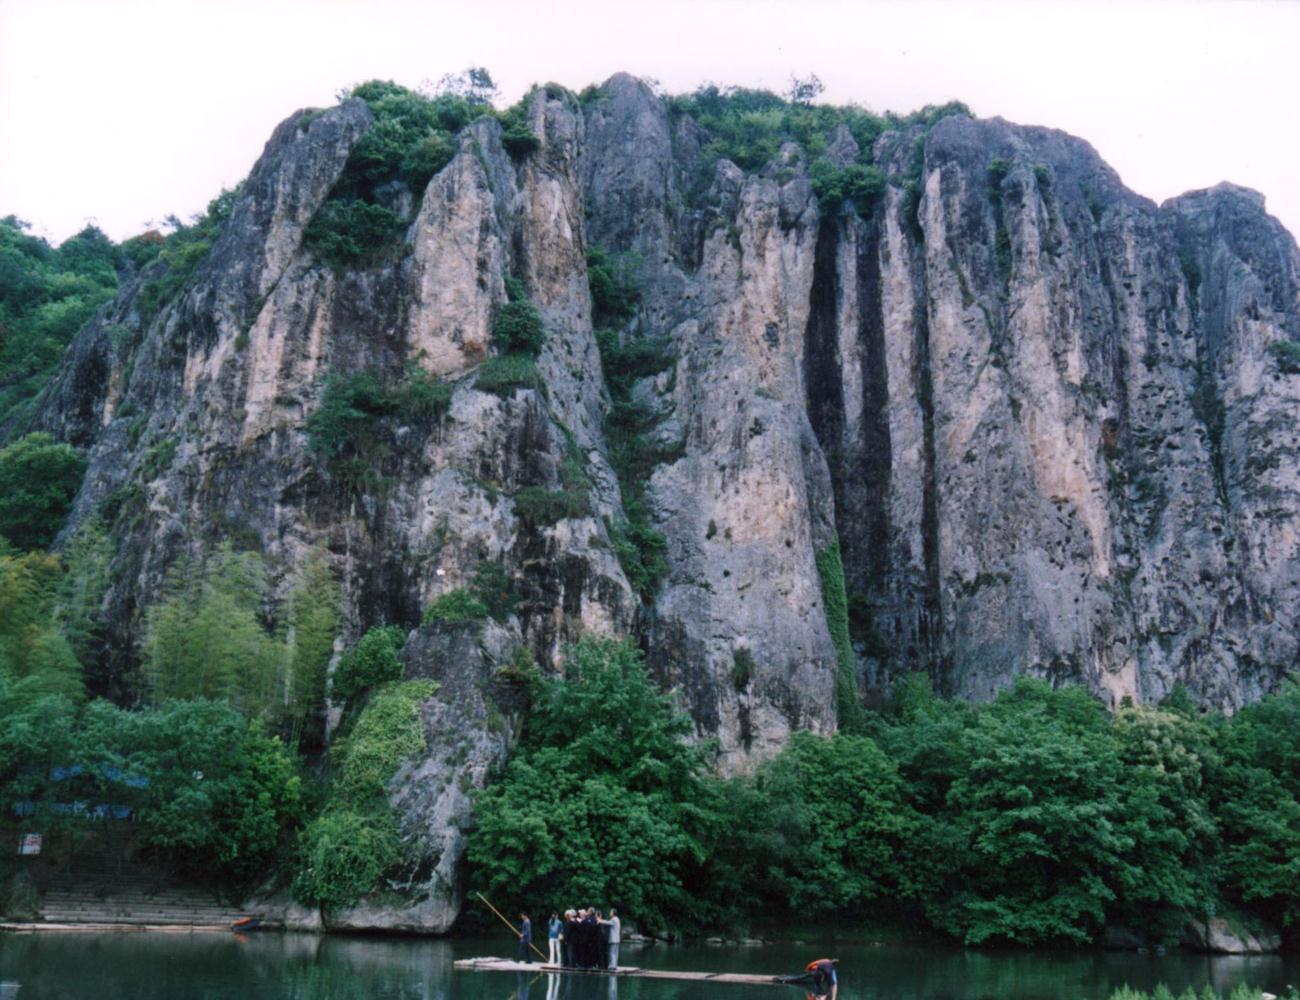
(304, 967)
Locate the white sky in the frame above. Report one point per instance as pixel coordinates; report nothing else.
(121, 112)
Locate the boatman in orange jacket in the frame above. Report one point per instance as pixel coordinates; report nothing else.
(823, 976)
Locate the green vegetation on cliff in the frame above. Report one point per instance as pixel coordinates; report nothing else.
(38, 479)
(412, 137)
(749, 127)
(634, 451)
(343, 851)
(848, 700)
(46, 295)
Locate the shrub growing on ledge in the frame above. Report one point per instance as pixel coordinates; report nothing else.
(516, 134)
(1287, 354)
(505, 373)
(349, 232)
(371, 662)
(547, 507)
(857, 182)
(456, 607)
(518, 326)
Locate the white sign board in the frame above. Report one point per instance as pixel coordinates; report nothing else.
(30, 844)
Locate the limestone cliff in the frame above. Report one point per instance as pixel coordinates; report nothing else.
(1051, 424)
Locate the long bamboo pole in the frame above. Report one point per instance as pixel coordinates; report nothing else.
(480, 895)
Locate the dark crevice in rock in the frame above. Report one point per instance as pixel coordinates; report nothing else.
(930, 619)
(823, 388)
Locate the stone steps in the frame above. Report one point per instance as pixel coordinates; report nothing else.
(101, 894)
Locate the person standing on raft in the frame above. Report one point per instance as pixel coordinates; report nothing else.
(614, 930)
(553, 929)
(525, 940)
(823, 977)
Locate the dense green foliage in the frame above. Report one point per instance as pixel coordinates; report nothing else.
(848, 703)
(350, 430)
(458, 606)
(38, 479)
(518, 326)
(342, 853)
(46, 296)
(371, 662)
(209, 788)
(748, 127)
(503, 374)
(345, 850)
(216, 634)
(1037, 818)
(603, 800)
(546, 507)
(412, 137)
(313, 620)
(823, 828)
(347, 232)
(205, 638)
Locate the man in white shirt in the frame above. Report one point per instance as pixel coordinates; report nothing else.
(615, 927)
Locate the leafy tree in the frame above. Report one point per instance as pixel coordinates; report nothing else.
(410, 140)
(32, 650)
(182, 251)
(346, 232)
(371, 662)
(205, 639)
(603, 800)
(1256, 799)
(80, 596)
(828, 827)
(342, 854)
(210, 788)
(46, 296)
(456, 607)
(518, 326)
(313, 619)
(1170, 876)
(36, 732)
(38, 479)
(1037, 814)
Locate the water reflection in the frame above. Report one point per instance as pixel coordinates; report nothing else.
(306, 967)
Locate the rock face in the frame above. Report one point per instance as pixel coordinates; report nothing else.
(1219, 936)
(1050, 424)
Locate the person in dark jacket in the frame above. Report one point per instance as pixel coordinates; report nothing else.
(524, 952)
(569, 938)
(590, 939)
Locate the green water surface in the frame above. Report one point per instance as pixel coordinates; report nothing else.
(306, 967)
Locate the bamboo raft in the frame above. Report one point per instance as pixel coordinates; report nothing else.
(630, 971)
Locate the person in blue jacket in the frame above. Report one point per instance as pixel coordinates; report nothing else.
(553, 930)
